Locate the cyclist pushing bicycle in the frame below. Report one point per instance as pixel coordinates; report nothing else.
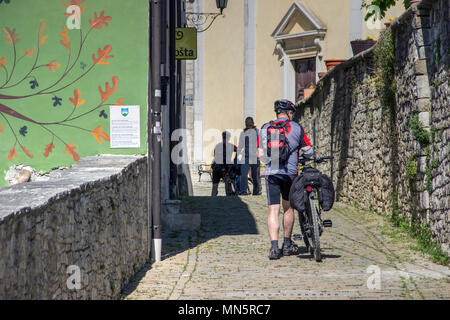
(281, 141)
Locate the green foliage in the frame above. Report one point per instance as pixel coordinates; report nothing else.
(383, 5)
(435, 164)
(428, 153)
(430, 165)
(319, 85)
(412, 170)
(428, 179)
(385, 66)
(436, 83)
(418, 132)
(436, 51)
(422, 234)
(395, 211)
(111, 202)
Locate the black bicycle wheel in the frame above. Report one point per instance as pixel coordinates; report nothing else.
(301, 221)
(315, 235)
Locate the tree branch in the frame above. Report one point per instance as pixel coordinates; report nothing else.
(6, 78)
(7, 110)
(14, 64)
(25, 77)
(12, 130)
(67, 71)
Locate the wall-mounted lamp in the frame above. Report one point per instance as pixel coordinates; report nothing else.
(199, 19)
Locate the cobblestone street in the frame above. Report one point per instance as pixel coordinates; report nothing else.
(228, 258)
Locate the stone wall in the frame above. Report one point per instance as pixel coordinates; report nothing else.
(391, 153)
(436, 47)
(93, 216)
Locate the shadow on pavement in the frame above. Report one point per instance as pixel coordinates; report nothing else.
(305, 254)
(324, 256)
(220, 216)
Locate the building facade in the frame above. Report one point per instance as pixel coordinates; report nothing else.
(263, 50)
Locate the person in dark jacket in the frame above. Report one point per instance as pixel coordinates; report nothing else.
(247, 151)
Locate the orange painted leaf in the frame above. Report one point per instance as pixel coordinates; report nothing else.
(48, 149)
(74, 3)
(2, 62)
(29, 53)
(42, 38)
(12, 154)
(77, 101)
(99, 21)
(52, 65)
(70, 149)
(27, 152)
(98, 132)
(65, 41)
(11, 36)
(1, 128)
(119, 102)
(109, 91)
(102, 55)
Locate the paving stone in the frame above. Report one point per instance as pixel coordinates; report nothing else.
(228, 258)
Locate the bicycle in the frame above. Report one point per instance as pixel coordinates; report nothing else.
(310, 220)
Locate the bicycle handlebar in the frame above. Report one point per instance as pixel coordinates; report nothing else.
(303, 160)
(321, 159)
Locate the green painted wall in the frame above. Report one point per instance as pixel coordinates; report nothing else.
(52, 83)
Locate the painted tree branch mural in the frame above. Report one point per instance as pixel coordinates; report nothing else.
(67, 80)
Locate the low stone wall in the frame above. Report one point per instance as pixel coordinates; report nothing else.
(376, 124)
(90, 221)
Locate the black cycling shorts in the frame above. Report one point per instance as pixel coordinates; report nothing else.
(278, 184)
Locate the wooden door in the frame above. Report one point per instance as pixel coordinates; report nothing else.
(305, 76)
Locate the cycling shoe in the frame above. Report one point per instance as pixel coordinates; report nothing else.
(275, 254)
(290, 250)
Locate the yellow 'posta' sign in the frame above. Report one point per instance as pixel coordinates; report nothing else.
(186, 44)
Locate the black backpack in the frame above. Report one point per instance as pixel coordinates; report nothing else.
(282, 143)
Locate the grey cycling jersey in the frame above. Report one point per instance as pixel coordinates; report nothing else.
(296, 138)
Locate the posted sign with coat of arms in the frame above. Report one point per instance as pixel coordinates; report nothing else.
(125, 126)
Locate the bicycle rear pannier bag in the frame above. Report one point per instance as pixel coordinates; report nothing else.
(326, 193)
(297, 194)
(311, 177)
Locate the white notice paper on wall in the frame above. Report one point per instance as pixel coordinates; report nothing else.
(125, 130)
